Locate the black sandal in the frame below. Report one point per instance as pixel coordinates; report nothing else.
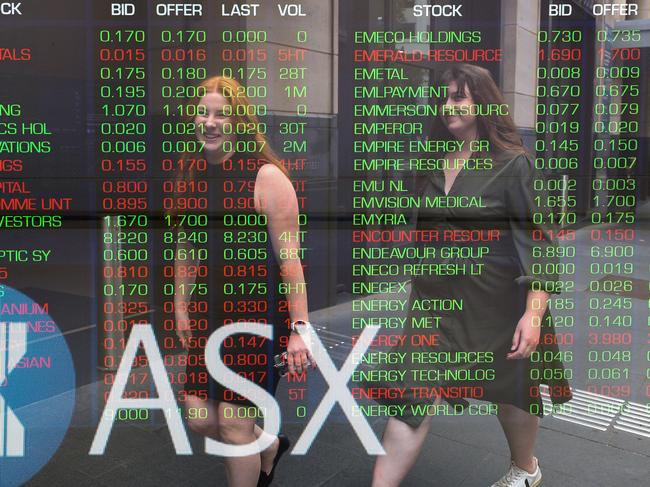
(265, 479)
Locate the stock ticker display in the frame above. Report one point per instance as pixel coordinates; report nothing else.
(319, 217)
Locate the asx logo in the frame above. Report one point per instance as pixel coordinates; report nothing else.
(13, 345)
(37, 387)
(336, 380)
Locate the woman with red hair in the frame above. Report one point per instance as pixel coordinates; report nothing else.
(240, 163)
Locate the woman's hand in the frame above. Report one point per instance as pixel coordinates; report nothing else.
(298, 354)
(183, 328)
(526, 336)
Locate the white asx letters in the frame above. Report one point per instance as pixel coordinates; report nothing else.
(165, 400)
(336, 379)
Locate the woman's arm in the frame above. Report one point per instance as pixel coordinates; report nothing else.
(533, 244)
(275, 197)
(531, 236)
(526, 337)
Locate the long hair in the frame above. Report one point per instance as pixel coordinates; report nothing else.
(498, 128)
(241, 115)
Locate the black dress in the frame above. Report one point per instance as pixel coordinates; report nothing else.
(243, 285)
(472, 290)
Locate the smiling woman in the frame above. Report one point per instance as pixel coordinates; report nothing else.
(210, 121)
(484, 260)
(252, 203)
(465, 90)
(226, 122)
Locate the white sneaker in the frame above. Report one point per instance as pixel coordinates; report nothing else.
(517, 477)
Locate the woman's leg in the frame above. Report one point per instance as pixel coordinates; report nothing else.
(520, 429)
(208, 426)
(402, 444)
(268, 455)
(241, 471)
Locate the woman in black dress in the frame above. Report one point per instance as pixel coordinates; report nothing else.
(253, 251)
(482, 288)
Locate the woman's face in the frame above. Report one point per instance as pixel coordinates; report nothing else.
(210, 122)
(460, 126)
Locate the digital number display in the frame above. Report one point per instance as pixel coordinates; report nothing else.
(242, 219)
